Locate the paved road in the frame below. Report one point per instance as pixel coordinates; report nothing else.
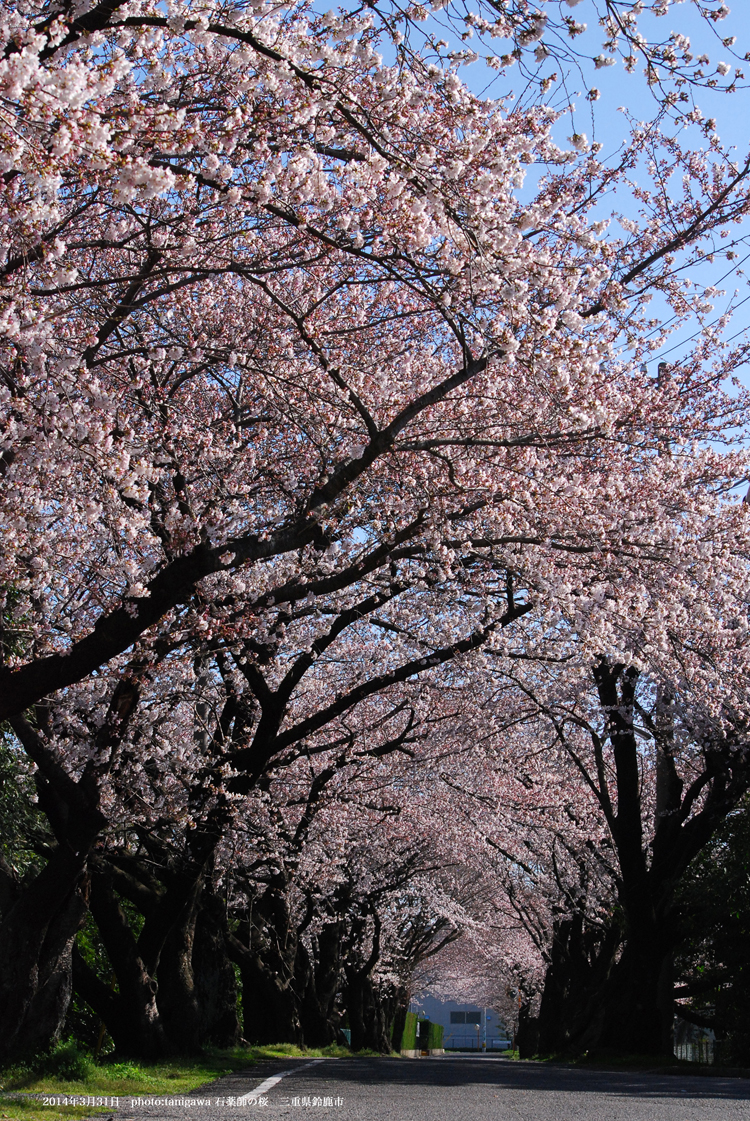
(454, 1089)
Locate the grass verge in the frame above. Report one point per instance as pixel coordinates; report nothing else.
(30, 1109)
(177, 1076)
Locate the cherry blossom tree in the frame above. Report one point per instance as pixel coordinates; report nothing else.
(165, 439)
(299, 378)
(317, 922)
(599, 788)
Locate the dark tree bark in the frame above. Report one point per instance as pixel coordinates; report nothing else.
(40, 919)
(215, 981)
(527, 1035)
(197, 995)
(269, 1006)
(571, 1012)
(638, 1003)
(322, 974)
(131, 1015)
(365, 1014)
(370, 1015)
(177, 1001)
(639, 1006)
(399, 1018)
(36, 941)
(176, 985)
(266, 949)
(592, 999)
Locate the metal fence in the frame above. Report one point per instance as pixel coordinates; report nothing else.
(473, 1043)
(695, 1051)
(692, 1044)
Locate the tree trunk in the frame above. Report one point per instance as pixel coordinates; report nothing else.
(370, 1027)
(133, 1024)
(639, 1005)
(322, 982)
(36, 940)
(399, 1019)
(638, 1000)
(215, 981)
(178, 1004)
(131, 1015)
(267, 957)
(197, 995)
(592, 1001)
(527, 1036)
(571, 1012)
(269, 1006)
(355, 1008)
(39, 925)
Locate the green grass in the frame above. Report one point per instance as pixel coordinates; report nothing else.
(286, 1050)
(175, 1076)
(120, 1078)
(30, 1109)
(126, 1078)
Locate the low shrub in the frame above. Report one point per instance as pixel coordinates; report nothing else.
(124, 1070)
(66, 1062)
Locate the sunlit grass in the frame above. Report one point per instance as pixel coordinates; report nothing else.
(173, 1077)
(31, 1109)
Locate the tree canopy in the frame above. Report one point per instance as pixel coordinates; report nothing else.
(332, 437)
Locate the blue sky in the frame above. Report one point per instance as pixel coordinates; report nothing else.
(603, 120)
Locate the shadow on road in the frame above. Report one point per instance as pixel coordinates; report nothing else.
(536, 1077)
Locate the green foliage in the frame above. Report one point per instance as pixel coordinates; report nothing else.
(435, 1036)
(66, 1062)
(409, 1038)
(81, 1021)
(92, 949)
(75, 1072)
(21, 823)
(23, 828)
(714, 960)
(14, 631)
(127, 1070)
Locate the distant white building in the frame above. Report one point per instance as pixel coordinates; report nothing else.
(466, 1027)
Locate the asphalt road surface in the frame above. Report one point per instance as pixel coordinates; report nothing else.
(450, 1088)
